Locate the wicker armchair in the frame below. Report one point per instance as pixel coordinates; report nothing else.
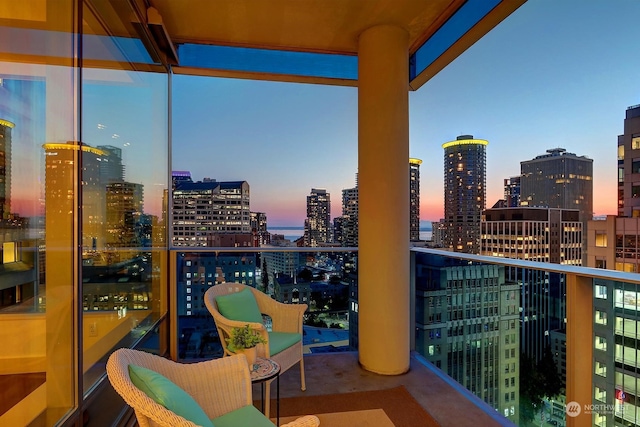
(219, 386)
(285, 318)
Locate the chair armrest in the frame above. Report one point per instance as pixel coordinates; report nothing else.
(306, 421)
(288, 317)
(219, 386)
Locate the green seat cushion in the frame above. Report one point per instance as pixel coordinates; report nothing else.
(240, 306)
(246, 416)
(279, 341)
(164, 392)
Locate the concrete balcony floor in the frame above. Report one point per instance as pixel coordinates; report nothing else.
(340, 372)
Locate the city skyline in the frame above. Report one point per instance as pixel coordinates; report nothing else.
(567, 60)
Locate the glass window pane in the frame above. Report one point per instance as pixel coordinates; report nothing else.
(38, 99)
(125, 180)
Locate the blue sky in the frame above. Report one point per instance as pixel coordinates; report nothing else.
(553, 74)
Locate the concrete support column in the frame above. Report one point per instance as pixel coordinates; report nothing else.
(383, 198)
(579, 349)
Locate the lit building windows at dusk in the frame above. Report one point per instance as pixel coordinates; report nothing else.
(104, 244)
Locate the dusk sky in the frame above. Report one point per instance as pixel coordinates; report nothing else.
(556, 73)
(553, 74)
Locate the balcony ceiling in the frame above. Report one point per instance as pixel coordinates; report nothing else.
(327, 26)
(310, 25)
(312, 41)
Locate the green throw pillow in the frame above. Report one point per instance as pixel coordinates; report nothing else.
(240, 306)
(166, 393)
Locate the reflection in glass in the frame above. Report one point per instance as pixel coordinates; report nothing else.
(124, 183)
(37, 99)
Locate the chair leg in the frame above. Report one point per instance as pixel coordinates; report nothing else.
(267, 398)
(304, 386)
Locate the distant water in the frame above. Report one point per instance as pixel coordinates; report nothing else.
(293, 233)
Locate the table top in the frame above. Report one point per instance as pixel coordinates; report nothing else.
(264, 369)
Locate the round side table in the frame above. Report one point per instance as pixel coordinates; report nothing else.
(262, 371)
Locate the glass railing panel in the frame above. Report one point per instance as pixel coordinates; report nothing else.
(326, 281)
(498, 330)
(617, 364)
(450, 289)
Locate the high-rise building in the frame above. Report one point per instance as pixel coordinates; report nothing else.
(512, 192)
(202, 210)
(285, 263)
(438, 230)
(621, 172)
(558, 180)
(350, 217)
(5, 168)
(414, 198)
(60, 159)
(125, 202)
(197, 272)
(259, 228)
(348, 222)
(540, 235)
(612, 241)
(178, 177)
(464, 192)
(317, 226)
(18, 253)
(338, 229)
(111, 167)
(614, 244)
(533, 234)
(467, 325)
(629, 164)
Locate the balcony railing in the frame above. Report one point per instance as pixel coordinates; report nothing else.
(474, 318)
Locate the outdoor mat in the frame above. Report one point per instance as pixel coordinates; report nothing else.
(397, 403)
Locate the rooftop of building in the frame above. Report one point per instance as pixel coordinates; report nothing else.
(556, 152)
(208, 185)
(633, 111)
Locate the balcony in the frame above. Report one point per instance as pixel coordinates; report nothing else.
(90, 279)
(612, 294)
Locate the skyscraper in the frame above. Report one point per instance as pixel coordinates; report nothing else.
(178, 177)
(17, 262)
(414, 198)
(540, 235)
(205, 212)
(60, 159)
(259, 228)
(613, 244)
(350, 217)
(317, 226)
(5, 168)
(464, 192)
(438, 230)
(512, 192)
(467, 325)
(629, 164)
(558, 180)
(125, 201)
(111, 167)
